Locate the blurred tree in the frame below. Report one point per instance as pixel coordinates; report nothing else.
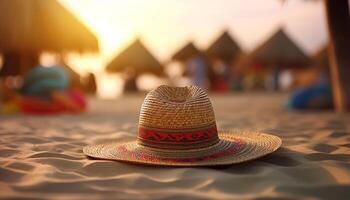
(338, 18)
(339, 55)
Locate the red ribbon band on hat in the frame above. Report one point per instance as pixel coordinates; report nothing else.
(182, 137)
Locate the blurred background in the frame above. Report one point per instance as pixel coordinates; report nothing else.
(110, 48)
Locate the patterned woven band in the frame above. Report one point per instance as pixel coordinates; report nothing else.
(178, 140)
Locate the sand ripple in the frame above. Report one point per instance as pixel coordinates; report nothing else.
(46, 162)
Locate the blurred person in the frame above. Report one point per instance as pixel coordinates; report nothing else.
(221, 76)
(275, 78)
(45, 90)
(198, 70)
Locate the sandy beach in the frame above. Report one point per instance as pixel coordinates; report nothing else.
(41, 156)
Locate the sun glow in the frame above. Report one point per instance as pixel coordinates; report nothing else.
(165, 26)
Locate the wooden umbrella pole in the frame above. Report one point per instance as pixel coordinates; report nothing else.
(11, 64)
(339, 54)
(28, 60)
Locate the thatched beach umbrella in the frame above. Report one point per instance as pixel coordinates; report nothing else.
(186, 52)
(32, 26)
(136, 57)
(279, 50)
(225, 48)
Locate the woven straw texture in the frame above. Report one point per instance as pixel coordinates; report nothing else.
(177, 127)
(250, 145)
(177, 108)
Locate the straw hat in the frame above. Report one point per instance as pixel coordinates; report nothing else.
(177, 127)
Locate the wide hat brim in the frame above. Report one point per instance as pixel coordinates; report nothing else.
(233, 147)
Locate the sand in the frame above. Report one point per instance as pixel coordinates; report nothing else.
(41, 157)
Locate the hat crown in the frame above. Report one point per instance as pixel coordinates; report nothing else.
(177, 118)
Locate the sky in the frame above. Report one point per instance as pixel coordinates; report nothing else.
(164, 26)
